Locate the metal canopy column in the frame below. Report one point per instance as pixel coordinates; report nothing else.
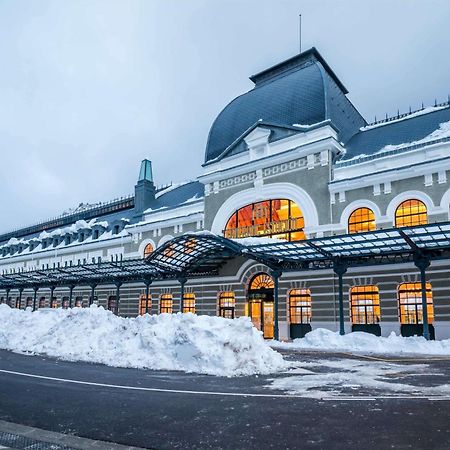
(35, 297)
(340, 268)
(20, 297)
(276, 276)
(182, 281)
(422, 263)
(71, 288)
(52, 291)
(91, 299)
(147, 293)
(116, 308)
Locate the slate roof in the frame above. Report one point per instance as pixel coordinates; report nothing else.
(178, 196)
(408, 129)
(302, 90)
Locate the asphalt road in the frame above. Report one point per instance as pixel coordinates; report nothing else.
(166, 410)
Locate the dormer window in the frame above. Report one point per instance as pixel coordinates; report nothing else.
(67, 240)
(81, 238)
(116, 229)
(55, 242)
(95, 234)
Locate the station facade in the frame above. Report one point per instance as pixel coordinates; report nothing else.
(292, 159)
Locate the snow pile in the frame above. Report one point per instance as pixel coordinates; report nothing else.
(322, 339)
(186, 342)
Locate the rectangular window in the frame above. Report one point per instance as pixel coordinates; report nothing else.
(166, 304)
(365, 305)
(410, 303)
(300, 306)
(145, 305)
(227, 304)
(189, 302)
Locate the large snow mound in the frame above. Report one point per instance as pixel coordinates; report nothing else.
(322, 339)
(186, 342)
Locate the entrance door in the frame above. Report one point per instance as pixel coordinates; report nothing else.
(260, 304)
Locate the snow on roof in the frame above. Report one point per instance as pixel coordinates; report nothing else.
(421, 112)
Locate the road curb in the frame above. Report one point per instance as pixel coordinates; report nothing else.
(16, 434)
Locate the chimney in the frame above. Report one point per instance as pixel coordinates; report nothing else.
(144, 191)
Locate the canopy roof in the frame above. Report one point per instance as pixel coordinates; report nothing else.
(199, 254)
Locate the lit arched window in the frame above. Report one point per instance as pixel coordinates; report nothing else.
(365, 305)
(148, 250)
(410, 303)
(411, 212)
(227, 304)
(262, 281)
(145, 304)
(189, 302)
(54, 302)
(300, 306)
(361, 219)
(278, 218)
(166, 303)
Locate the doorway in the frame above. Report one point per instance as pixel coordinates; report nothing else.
(260, 304)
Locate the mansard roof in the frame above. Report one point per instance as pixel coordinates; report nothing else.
(301, 90)
(418, 128)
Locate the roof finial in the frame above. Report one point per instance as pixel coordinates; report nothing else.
(375, 118)
(410, 109)
(300, 32)
(386, 116)
(422, 106)
(398, 113)
(435, 102)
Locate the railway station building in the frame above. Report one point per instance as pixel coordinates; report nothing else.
(303, 216)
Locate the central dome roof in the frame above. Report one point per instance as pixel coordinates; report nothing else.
(302, 90)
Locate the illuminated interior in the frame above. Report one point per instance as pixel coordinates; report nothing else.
(410, 213)
(227, 304)
(54, 302)
(189, 302)
(112, 303)
(145, 304)
(300, 306)
(262, 281)
(365, 305)
(410, 303)
(18, 305)
(278, 218)
(360, 220)
(148, 250)
(166, 303)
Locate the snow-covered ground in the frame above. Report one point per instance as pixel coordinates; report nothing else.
(186, 342)
(322, 339)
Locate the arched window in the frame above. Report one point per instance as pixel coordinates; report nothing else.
(42, 302)
(262, 281)
(411, 212)
(148, 250)
(410, 303)
(227, 304)
(364, 305)
(29, 302)
(361, 219)
(189, 302)
(279, 218)
(112, 303)
(78, 302)
(166, 304)
(145, 304)
(65, 302)
(299, 306)
(54, 302)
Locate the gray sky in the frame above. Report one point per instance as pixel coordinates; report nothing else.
(89, 88)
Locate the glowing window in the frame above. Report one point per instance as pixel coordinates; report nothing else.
(54, 302)
(18, 303)
(112, 303)
(145, 304)
(410, 303)
(279, 218)
(227, 304)
(166, 304)
(148, 250)
(300, 306)
(410, 213)
(362, 219)
(262, 281)
(189, 302)
(364, 305)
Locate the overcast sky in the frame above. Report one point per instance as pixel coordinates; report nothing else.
(89, 88)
